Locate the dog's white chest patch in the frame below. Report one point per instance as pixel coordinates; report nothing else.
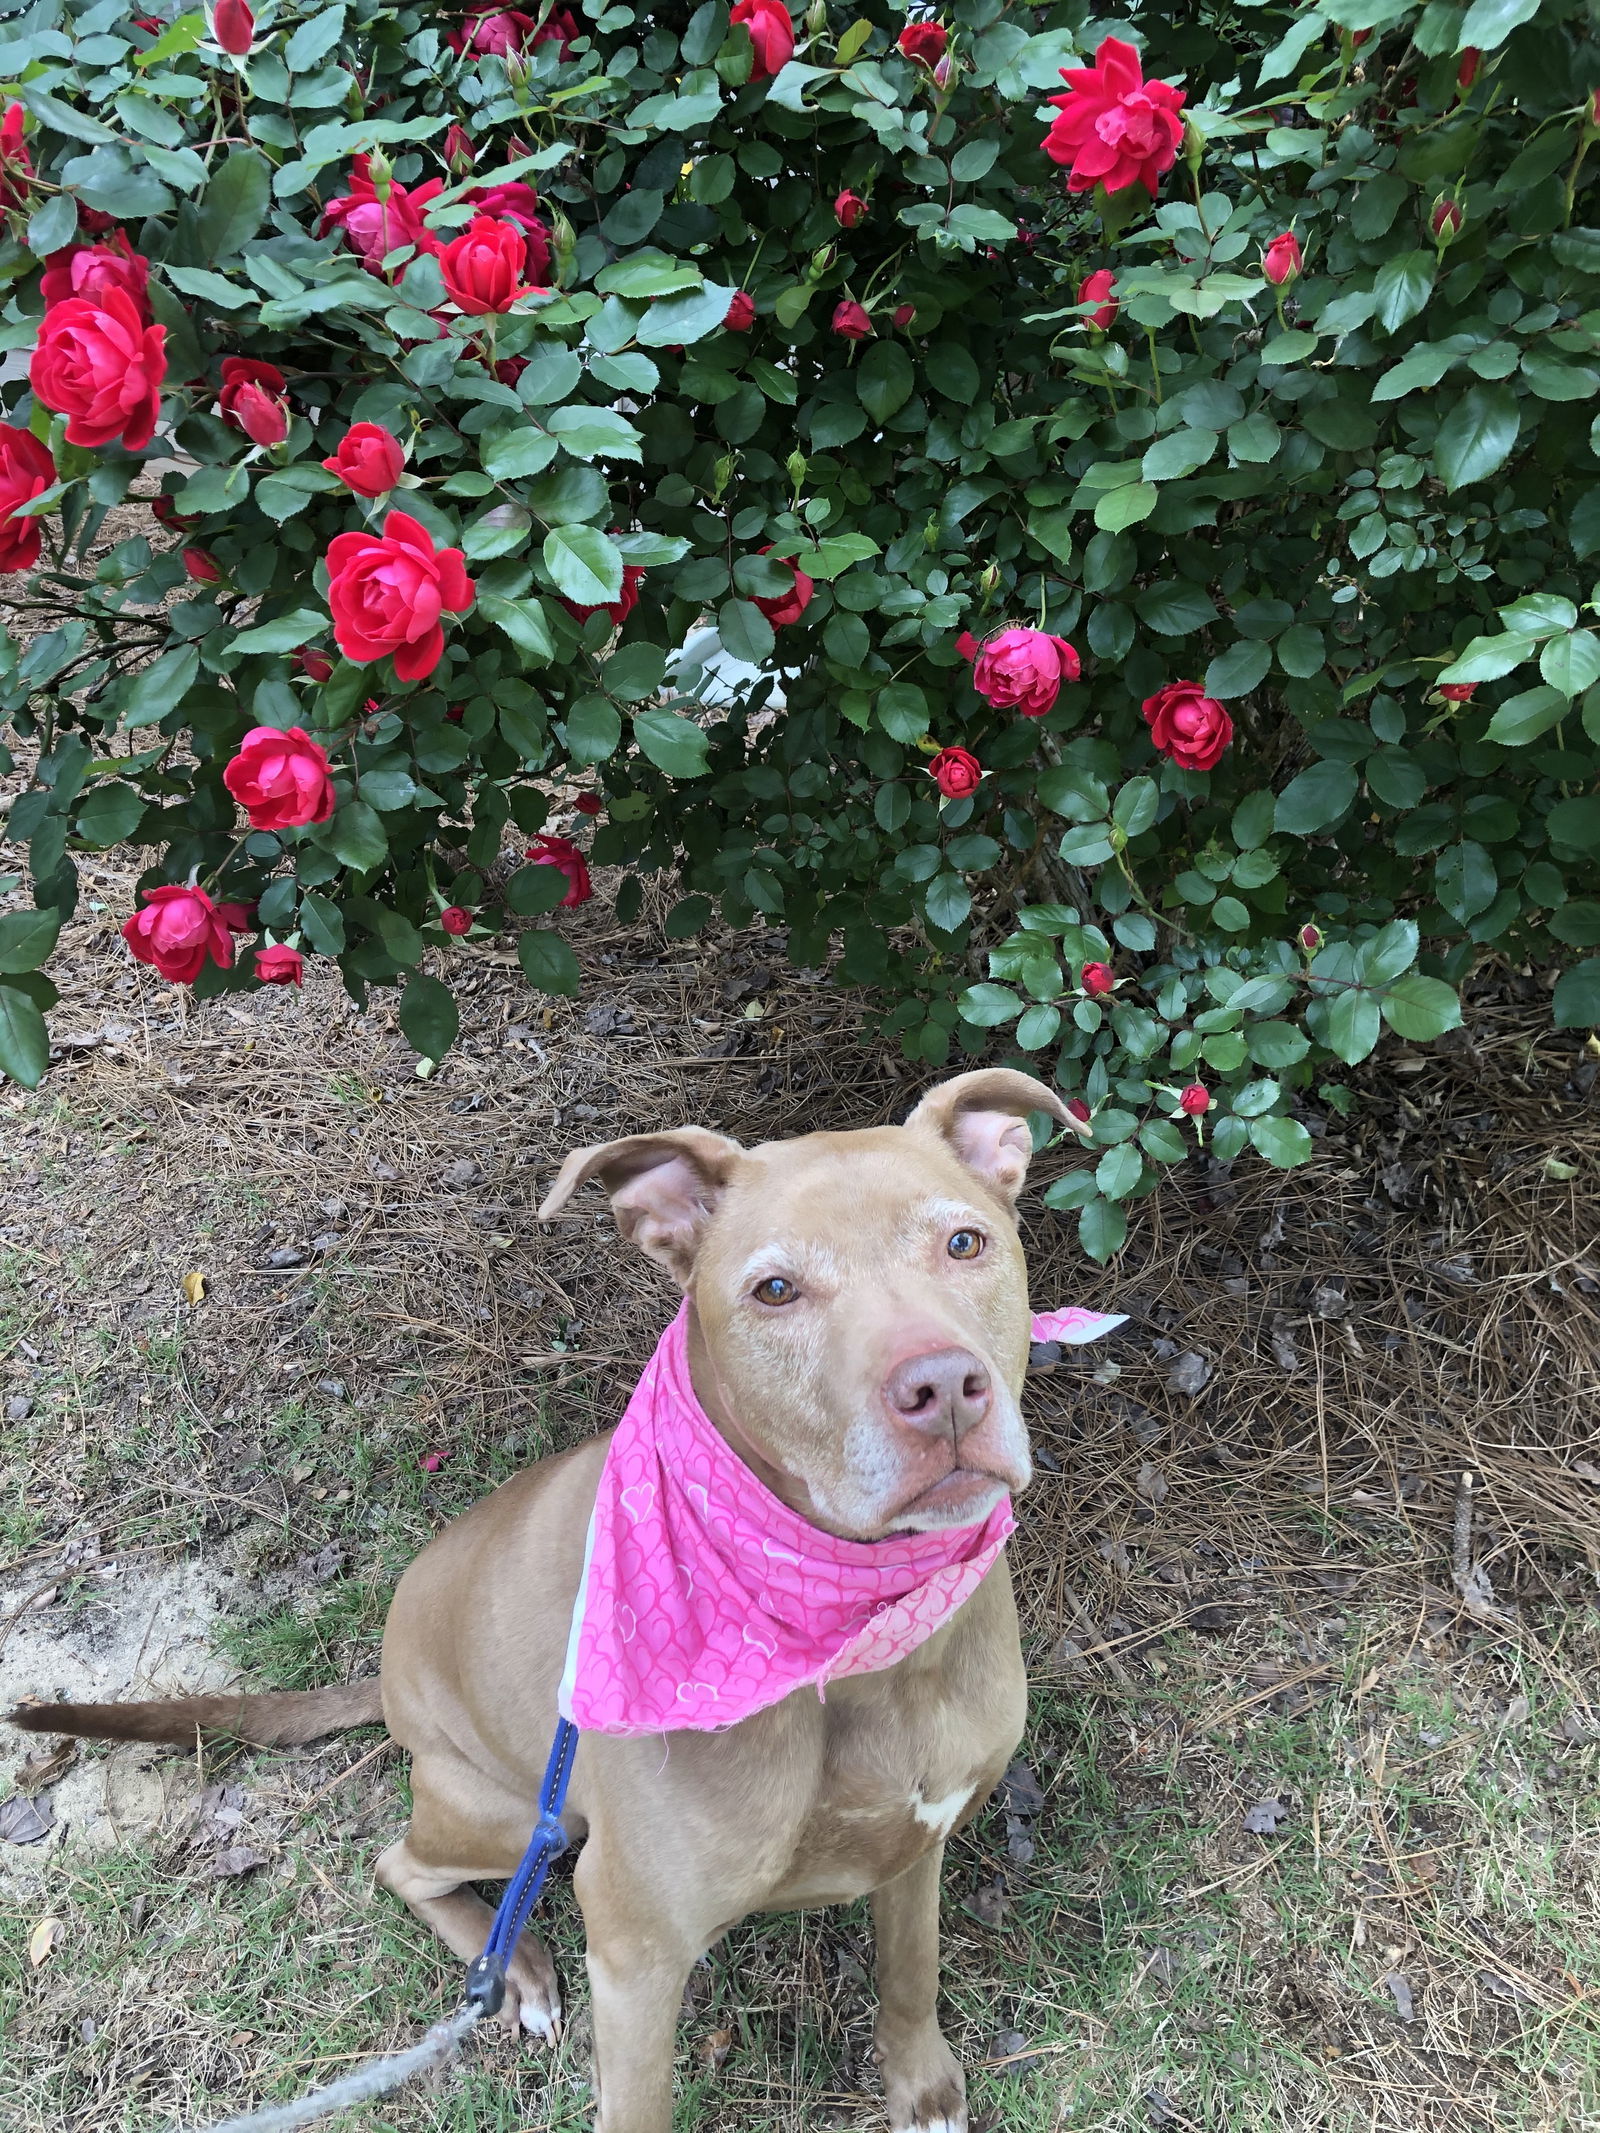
(940, 1815)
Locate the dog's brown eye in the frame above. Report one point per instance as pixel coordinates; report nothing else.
(965, 1244)
(774, 1290)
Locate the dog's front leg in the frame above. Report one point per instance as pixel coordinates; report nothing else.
(924, 2086)
(642, 1940)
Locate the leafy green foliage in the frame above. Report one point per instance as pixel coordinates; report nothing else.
(1321, 501)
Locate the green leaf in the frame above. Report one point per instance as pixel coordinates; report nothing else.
(1419, 1008)
(1488, 23)
(988, 1006)
(285, 633)
(1464, 879)
(24, 1040)
(594, 729)
(1477, 436)
(512, 455)
(634, 672)
(1316, 799)
(523, 621)
(429, 1016)
(594, 433)
(674, 744)
(687, 317)
(1575, 822)
(536, 891)
(500, 530)
(950, 369)
(160, 687)
(584, 564)
(1179, 453)
(1283, 1141)
(322, 922)
(948, 901)
(1135, 806)
(1388, 954)
(1160, 1138)
(1301, 651)
(1238, 670)
(1174, 607)
(1402, 288)
(235, 202)
(355, 836)
(1570, 664)
(885, 380)
(1576, 1000)
(1102, 1228)
(313, 40)
(1487, 658)
(902, 710)
(550, 965)
(1523, 718)
(1120, 508)
(112, 812)
(1119, 1170)
(27, 939)
(1350, 1025)
(746, 632)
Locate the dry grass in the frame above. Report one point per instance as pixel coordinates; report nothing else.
(1236, 1590)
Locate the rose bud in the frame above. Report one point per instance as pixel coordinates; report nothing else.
(741, 313)
(1282, 260)
(851, 322)
(850, 208)
(455, 920)
(202, 568)
(1457, 692)
(1078, 1109)
(1445, 220)
(905, 316)
(1096, 289)
(1098, 979)
(313, 663)
(957, 772)
(459, 152)
(279, 966)
(1195, 1100)
(924, 42)
(589, 803)
(234, 27)
(1310, 938)
(1467, 72)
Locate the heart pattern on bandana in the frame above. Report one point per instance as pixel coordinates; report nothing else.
(706, 1599)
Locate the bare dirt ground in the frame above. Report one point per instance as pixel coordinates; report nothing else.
(1305, 1831)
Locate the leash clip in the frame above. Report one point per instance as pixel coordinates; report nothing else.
(486, 1985)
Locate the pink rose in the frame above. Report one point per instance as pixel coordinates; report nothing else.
(178, 932)
(1023, 669)
(279, 966)
(281, 779)
(1115, 129)
(387, 594)
(1188, 725)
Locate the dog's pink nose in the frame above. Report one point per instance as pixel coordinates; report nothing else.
(944, 1393)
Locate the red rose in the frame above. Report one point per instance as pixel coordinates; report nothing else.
(519, 203)
(1195, 1100)
(905, 316)
(1115, 129)
(16, 167)
(1467, 72)
(1458, 692)
(375, 227)
(560, 27)
(1282, 261)
(783, 608)
(387, 595)
(483, 266)
(234, 27)
(458, 150)
(317, 664)
(455, 920)
(1023, 670)
(563, 853)
(250, 399)
(771, 33)
(101, 366)
(1097, 979)
(956, 771)
(90, 270)
(1096, 289)
(589, 803)
(492, 29)
(201, 568)
(26, 471)
(178, 932)
(851, 322)
(279, 966)
(1188, 725)
(741, 313)
(281, 779)
(924, 41)
(850, 209)
(369, 460)
(620, 608)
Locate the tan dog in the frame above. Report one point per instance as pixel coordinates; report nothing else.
(882, 1397)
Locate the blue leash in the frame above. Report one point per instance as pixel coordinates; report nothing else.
(486, 1979)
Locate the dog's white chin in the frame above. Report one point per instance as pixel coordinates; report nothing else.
(970, 1510)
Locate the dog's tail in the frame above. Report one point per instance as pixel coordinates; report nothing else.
(261, 1721)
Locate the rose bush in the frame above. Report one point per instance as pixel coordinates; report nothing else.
(1180, 446)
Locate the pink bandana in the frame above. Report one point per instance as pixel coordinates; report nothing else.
(705, 1599)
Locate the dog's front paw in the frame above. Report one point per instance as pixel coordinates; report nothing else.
(533, 1998)
(923, 2084)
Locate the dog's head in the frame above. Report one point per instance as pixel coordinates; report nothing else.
(859, 1327)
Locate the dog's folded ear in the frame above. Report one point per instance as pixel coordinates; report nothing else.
(664, 1188)
(983, 1118)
